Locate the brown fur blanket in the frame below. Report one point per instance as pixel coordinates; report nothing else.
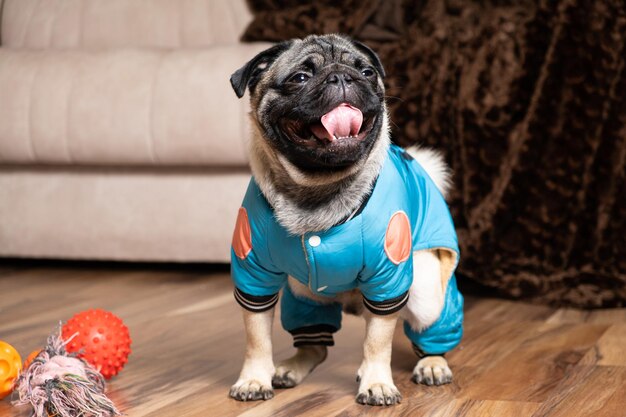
(528, 101)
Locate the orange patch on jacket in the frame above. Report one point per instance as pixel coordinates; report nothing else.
(398, 238)
(242, 240)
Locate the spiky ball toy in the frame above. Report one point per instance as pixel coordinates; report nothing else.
(100, 338)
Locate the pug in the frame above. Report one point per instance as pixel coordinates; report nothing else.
(337, 218)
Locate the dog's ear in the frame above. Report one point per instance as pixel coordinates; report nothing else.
(248, 75)
(373, 56)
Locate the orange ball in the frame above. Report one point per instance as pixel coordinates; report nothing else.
(10, 368)
(30, 358)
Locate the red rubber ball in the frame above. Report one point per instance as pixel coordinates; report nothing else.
(100, 338)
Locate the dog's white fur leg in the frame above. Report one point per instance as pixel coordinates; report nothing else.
(427, 295)
(292, 371)
(376, 383)
(255, 379)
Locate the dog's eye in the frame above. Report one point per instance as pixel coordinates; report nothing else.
(300, 78)
(367, 72)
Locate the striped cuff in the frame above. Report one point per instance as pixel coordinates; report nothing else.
(382, 308)
(255, 303)
(320, 334)
(421, 354)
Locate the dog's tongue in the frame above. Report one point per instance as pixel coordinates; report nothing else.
(344, 120)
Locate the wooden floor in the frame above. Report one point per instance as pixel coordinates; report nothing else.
(515, 359)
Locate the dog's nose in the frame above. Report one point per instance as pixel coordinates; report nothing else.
(339, 78)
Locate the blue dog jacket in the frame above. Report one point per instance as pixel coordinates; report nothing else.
(372, 251)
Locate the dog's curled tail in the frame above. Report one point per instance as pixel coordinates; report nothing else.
(433, 163)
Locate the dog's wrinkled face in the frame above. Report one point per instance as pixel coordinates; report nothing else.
(318, 101)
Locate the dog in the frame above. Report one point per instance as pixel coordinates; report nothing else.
(336, 217)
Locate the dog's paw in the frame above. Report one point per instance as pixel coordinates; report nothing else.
(251, 390)
(292, 371)
(379, 394)
(432, 370)
(376, 385)
(285, 378)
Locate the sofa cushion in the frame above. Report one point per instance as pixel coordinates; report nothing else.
(118, 23)
(130, 214)
(126, 106)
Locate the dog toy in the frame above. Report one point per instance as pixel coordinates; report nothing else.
(10, 367)
(30, 358)
(58, 384)
(100, 338)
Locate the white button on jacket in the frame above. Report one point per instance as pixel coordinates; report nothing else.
(315, 241)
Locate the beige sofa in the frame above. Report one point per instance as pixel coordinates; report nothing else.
(120, 137)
